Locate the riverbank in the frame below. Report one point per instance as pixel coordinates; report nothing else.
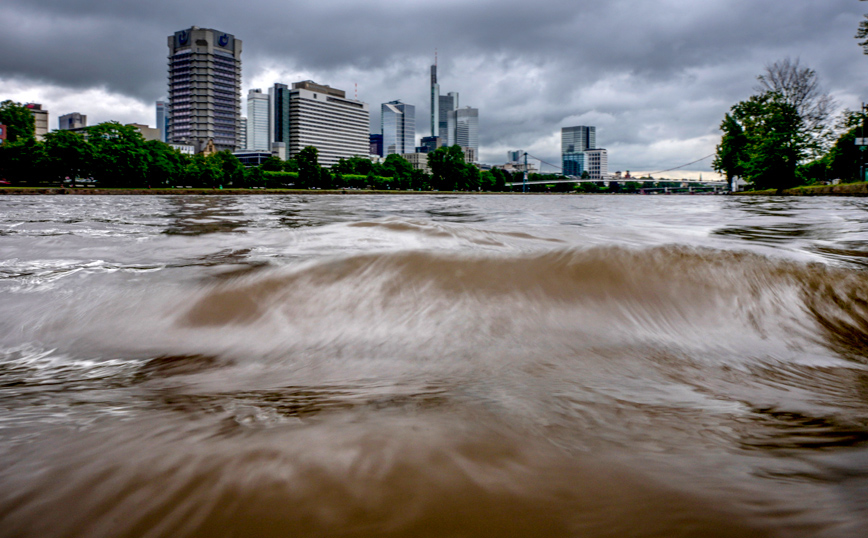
(843, 189)
(163, 192)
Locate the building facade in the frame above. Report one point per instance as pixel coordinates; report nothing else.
(573, 163)
(242, 132)
(40, 119)
(323, 117)
(204, 88)
(446, 123)
(398, 125)
(376, 140)
(514, 156)
(73, 120)
(597, 163)
(419, 161)
(435, 102)
(431, 143)
(278, 102)
(466, 128)
(258, 121)
(574, 142)
(163, 119)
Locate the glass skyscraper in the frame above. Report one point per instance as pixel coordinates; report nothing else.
(574, 142)
(466, 130)
(258, 121)
(279, 96)
(398, 123)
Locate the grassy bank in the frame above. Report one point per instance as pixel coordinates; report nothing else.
(844, 189)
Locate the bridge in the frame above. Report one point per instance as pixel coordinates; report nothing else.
(691, 185)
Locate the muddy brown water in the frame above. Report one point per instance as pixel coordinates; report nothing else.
(433, 366)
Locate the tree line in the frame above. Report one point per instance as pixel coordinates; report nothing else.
(115, 155)
(785, 135)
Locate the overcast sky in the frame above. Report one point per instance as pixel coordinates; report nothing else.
(655, 78)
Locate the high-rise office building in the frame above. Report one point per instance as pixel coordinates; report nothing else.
(435, 101)
(466, 128)
(376, 144)
(597, 163)
(73, 120)
(574, 142)
(398, 125)
(242, 132)
(40, 118)
(258, 121)
(163, 119)
(279, 96)
(441, 107)
(323, 117)
(448, 104)
(204, 88)
(514, 156)
(431, 143)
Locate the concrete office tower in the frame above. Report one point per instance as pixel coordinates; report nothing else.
(204, 88)
(163, 119)
(574, 141)
(258, 121)
(40, 118)
(73, 120)
(466, 131)
(324, 118)
(242, 133)
(597, 163)
(515, 156)
(278, 115)
(398, 124)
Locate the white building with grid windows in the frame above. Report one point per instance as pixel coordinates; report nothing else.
(323, 117)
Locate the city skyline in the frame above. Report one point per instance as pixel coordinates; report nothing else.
(658, 86)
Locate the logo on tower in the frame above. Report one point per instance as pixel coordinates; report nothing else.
(224, 40)
(183, 36)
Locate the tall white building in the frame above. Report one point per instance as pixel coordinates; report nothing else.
(323, 117)
(398, 125)
(258, 121)
(597, 163)
(40, 119)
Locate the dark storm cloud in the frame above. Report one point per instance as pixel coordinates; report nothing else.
(654, 77)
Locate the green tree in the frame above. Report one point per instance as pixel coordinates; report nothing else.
(120, 158)
(309, 174)
(19, 122)
(23, 161)
(67, 154)
(447, 167)
(165, 164)
(732, 150)
(844, 160)
(399, 169)
(272, 164)
(862, 33)
(231, 168)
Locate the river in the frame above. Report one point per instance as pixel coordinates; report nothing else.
(433, 366)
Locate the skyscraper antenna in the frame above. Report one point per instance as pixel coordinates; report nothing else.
(435, 56)
(357, 90)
